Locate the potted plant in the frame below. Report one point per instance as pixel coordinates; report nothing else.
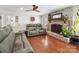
(65, 32)
(75, 26)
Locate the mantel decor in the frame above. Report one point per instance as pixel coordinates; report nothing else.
(49, 18)
(65, 18)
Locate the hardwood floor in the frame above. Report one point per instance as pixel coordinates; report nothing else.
(48, 44)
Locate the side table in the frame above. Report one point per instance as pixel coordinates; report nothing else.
(75, 40)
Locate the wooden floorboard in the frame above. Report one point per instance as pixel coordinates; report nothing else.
(48, 44)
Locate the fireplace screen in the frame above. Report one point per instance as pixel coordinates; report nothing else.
(57, 28)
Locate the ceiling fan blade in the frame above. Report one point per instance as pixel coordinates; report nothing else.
(28, 10)
(34, 8)
(37, 10)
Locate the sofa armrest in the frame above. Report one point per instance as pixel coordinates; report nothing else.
(26, 43)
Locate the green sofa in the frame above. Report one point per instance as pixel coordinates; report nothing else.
(35, 29)
(13, 43)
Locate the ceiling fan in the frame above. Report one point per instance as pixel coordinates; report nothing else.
(34, 8)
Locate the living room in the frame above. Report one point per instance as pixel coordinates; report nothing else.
(39, 28)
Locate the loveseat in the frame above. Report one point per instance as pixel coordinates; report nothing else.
(13, 43)
(35, 29)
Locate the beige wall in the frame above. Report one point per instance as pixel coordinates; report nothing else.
(44, 20)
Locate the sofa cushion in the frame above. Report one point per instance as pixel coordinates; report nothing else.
(41, 30)
(7, 44)
(8, 29)
(29, 25)
(4, 46)
(39, 25)
(27, 47)
(18, 43)
(11, 39)
(33, 32)
(31, 28)
(3, 34)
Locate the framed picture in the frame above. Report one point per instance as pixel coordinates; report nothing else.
(32, 19)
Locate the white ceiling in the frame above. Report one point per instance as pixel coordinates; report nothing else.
(43, 9)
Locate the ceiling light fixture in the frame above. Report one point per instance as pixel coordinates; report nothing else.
(21, 8)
